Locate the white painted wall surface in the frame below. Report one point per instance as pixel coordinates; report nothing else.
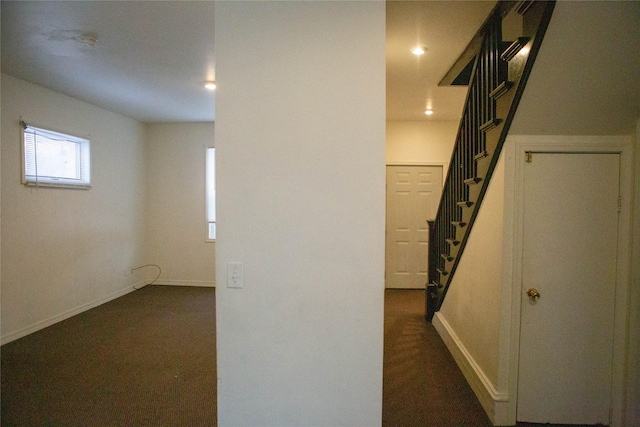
(66, 250)
(590, 96)
(633, 368)
(300, 146)
(413, 142)
(175, 211)
(472, 306)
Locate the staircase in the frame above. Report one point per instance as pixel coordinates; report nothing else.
(495, 66)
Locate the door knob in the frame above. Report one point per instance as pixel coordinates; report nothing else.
(533, 294)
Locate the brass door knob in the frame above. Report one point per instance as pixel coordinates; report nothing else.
(533, 294)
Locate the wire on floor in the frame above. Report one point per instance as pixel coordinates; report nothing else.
(153, 281)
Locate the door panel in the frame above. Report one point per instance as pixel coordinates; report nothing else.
(413, 194)
(569, 256)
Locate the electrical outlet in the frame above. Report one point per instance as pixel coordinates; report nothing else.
(235, 275)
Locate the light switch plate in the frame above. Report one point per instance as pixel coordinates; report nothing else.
(235, 275)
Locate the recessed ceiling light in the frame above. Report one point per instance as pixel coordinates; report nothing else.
(210, 85)
(429, 112)
(418, 50)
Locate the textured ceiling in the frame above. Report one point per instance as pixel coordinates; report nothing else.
(150, 60)
(152, 57)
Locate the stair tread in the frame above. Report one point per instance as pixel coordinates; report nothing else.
(514, 48)
(447, 257)
(481, 155)
(501, 89)
(472, 181)
(442, 271)
(490, 124)
(481, 137)
(436, 284)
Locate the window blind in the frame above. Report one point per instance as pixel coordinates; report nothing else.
(55, 159)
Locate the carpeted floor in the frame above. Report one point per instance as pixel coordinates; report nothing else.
(422, 384)
(148, 359)
(145, 359)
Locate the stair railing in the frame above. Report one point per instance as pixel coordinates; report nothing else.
(499, 73)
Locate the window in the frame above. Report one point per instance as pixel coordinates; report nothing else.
(211, 194)
(54, 159)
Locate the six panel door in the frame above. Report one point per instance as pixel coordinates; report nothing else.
(413, 194)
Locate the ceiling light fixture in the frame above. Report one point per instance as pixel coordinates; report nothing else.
(419, 50)
(210, 85)
(429, 112)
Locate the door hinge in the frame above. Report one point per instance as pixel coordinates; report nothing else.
(527, 156)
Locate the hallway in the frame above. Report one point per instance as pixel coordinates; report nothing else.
(422, 385)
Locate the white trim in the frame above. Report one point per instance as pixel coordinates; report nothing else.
(415, 164)
(206, 193)
(508, 333)
(576, 144)
(58, 185)
(493, 401)
(36, 180)
(633, 362)
(196, 283)
(72, 132)
(445, 167)
(12, 336)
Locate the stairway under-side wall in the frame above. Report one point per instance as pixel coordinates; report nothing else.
(495, 65)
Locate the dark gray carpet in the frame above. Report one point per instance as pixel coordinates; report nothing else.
(148, 359)
(145, 359)
(422, 384)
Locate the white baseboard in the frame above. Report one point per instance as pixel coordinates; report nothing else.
(198, 283)
(494, 403)
(12, 336)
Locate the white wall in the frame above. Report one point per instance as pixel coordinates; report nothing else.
(175, 219)
(420, 142)
(300, 149)
(474, 294)
(633, 368)
(595, 90)
(66, 250)
(470, 318)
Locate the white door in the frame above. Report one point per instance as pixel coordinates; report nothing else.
(413, 194)
(569, 257)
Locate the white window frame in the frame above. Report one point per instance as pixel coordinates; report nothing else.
(31, 163)
(210, 194)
